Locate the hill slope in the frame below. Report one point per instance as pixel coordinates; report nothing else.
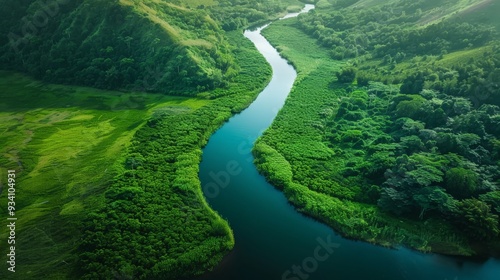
(148, 45)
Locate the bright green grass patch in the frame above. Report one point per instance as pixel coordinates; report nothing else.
(72, 208)
(64, 143)
(310, 55)
(462, 57)
(197, 3)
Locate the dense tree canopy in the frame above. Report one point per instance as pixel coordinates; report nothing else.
(141, 46)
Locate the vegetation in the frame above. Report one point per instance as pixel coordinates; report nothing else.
(64, 143)
(237, 14)
(398, 145)
(402, 131)
(161, 184)
(173, 47)
(134, 163)
(135, 45)
(130, 194)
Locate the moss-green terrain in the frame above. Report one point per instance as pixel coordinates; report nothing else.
(65, 144)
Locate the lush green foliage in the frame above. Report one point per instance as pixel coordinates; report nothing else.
(365, 156)
(347, 75)
(387, 29)
(155, 223)
(422, 148)
(237, 14)
(135, 45)
(173, 47)
(150, 220)
(64, 143)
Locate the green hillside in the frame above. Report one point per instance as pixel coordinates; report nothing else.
(167, 46)
(116, 45)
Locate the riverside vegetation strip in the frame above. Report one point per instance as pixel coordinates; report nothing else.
(411, 161)
(161, 184)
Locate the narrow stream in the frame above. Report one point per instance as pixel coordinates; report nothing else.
(274, 241)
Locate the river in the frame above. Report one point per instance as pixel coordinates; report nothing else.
(273, 240)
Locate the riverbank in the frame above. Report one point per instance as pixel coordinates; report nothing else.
(271, 237)
(295, 156)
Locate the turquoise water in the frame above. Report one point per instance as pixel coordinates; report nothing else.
(273, 241)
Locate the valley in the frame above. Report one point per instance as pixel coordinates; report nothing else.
(156, 139)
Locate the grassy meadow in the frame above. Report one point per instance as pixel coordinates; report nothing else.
(65, 144)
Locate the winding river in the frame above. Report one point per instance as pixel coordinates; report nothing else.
(273, 241)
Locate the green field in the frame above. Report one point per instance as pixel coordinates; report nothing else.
(65, 144)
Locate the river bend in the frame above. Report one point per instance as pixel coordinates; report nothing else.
(274, 241)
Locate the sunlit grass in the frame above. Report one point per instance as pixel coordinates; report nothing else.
(464, 56)
(197, 3)
(64, 143)
(310, 56)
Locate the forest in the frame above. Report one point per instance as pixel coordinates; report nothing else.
(401, 124)
(117, 45)
(120, 44)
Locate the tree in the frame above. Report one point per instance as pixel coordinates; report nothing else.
(474, 217)
(413, 84)
(347, 75)
(363, 79)
(410, 108)
(460, 182)
(433, 198)
(397, 202)
(412, 144)
(409, 185)
(416, 171)
(493, 199)
(134, 160)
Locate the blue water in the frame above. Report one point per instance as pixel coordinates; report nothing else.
(274, 241)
